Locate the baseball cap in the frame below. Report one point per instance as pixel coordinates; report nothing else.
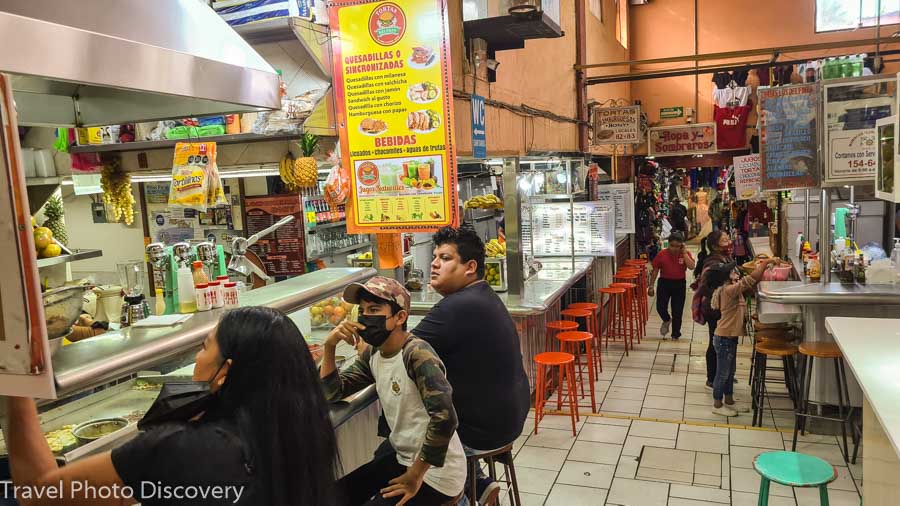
(381, 287)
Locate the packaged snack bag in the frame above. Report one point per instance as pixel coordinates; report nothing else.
(192, 166)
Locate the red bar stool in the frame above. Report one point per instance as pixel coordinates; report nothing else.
(633, 305)
(565, 362)
(612, 322)
(571, 342)
(556, 327)
(593, 325)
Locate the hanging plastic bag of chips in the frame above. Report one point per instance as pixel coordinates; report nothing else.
(337, 185)
(192, 166)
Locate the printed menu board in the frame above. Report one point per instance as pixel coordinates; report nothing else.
(621, 199)
(552, 229)
(746, 176)
(395, 109)
(282, 252)
(788, 142)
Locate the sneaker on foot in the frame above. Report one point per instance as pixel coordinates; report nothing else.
(740, 408)
(664, 328)
(724, 411)
(709, 386)
(490, 495)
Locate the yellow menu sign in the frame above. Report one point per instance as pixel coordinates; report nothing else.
(395, 109)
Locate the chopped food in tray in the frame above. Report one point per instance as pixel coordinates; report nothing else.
(422, 56)
(424, 92)
(423, 121)
(93, 430)
(373, 126)
(146, 385)
(62, 439)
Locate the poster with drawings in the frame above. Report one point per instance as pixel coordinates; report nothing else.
(556, 228)
(621, 199)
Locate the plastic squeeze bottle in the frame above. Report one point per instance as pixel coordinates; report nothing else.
(160, 302)
(187, 302)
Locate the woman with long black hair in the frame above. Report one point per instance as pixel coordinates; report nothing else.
(716, 248)
(252, 429)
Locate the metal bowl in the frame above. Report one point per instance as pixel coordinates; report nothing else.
(95, 429)
(62, 307)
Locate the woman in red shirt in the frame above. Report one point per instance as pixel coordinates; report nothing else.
(671, 266)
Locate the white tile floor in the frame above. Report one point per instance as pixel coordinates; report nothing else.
(655, 441)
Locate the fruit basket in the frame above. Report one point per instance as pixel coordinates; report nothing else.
(495, 273)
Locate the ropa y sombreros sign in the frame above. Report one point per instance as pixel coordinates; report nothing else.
(695, 139)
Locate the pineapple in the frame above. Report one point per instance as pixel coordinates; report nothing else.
(306, 170)
(55, 214)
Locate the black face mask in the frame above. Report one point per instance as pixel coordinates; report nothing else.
(376, 332)
(180, 401)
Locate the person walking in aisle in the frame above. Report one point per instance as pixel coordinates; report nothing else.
(678, 217)
(716, 248)
(670, 265)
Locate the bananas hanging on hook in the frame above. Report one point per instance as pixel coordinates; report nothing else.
(490, 201)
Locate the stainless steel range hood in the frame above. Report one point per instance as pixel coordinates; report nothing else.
(103, 62)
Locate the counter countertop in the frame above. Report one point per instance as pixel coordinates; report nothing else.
(541, 290)
(870, 348)
(798, 292)
(115, 353)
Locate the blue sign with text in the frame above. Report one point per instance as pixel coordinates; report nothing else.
(479, 142)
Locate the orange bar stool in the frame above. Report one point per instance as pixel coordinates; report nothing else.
(571, 342)
(556, 327)
(640, 293)
(612, 322)
(593, 325)
(565, 362)
(632, 306)
(641, 265)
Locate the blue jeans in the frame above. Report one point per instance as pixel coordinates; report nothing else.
(726, 363)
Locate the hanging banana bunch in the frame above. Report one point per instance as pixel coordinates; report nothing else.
(116, 186)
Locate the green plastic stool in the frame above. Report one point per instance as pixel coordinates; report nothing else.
(793, 469)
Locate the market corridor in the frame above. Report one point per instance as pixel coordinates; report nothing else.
(655, 441)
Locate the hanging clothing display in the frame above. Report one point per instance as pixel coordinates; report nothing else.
(723, 79)
(731, 126)
(732, 96)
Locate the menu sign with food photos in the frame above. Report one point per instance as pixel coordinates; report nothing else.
(395, 110)
(553, 233)
(617, 125)
(282, 252)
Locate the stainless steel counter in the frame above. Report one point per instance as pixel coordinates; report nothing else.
(104, 358)
(798, 292)
(541, 291)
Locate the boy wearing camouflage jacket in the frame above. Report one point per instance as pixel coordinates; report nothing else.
(429, 465)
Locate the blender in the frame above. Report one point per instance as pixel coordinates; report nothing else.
(135, 306)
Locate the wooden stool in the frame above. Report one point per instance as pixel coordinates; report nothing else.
(556, 327)
(565, 362)
(793, 469)
(491, 457)
(809, 351)
(593, 328)
(759, 393)
(571, 342)
(631, 314)
(612, 323)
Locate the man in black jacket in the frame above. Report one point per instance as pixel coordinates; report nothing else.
(473, 334)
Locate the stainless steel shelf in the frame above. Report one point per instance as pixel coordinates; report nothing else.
(169, 143)
(43, 181)
(348, 249)
(83, 254)
(328, 225)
